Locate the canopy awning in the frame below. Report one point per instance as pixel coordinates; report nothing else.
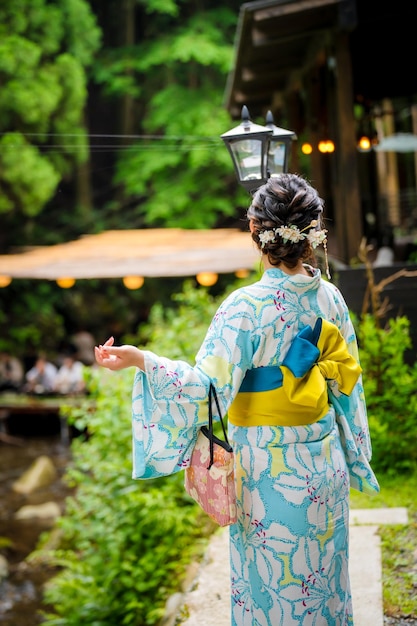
(275, 42)
(147, 253)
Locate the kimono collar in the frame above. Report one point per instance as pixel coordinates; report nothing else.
(275, 275)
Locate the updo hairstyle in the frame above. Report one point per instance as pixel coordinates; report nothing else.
(285, 200)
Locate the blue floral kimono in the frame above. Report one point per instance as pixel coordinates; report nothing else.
(283, 357)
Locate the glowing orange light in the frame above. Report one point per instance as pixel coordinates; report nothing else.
(65, 282)
(306, 148)
(326, 145)
(364, 144)
(133, 282)
(5, 280)
(243, 273)
(207, 279)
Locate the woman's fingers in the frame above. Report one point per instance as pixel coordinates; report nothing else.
(118, 357)
(102, 353)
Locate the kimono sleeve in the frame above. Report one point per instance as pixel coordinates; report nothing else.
(170, 398)
(169, 405)
(352, 421)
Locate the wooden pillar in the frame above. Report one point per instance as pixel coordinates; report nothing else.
(414, 124)
(294, 123)
(389, 187)
(348, 211)
(314, 105)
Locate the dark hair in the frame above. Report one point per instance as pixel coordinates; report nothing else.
(285, 200)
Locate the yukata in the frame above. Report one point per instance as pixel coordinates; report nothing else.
(283, 357)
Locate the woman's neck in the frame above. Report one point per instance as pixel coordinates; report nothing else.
(298, 269)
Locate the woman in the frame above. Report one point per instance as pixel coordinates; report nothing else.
(283, 357)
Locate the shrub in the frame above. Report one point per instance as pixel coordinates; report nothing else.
(125, 545)
(390, 385)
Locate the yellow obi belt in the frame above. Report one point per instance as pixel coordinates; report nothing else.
(295, 393)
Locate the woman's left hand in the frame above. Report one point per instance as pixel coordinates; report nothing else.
(118, 358)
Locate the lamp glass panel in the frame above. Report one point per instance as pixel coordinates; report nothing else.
(247, 155)
(276, 157)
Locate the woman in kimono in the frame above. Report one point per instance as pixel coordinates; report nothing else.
(283, 357)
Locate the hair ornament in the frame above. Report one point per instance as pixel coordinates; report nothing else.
(267, 236)
(291, 233)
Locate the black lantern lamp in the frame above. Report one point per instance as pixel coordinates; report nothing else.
(257, 152)
(248, 147)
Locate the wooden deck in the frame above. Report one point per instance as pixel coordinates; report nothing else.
(20, 404)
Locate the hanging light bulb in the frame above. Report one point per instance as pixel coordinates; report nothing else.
(65, 282)
(5, 280)
(207, 279)
(133, 282)
(243, 273)
(326, 145)
(364, 144)
(306, 148)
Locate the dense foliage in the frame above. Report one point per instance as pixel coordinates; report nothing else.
(44, 50)
(125, 544)
(125, 116)
(390, 384)
(169, 74)
(38, 316)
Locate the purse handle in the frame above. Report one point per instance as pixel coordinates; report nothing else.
(212, 394)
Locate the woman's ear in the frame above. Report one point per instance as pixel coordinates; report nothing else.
(252, 227)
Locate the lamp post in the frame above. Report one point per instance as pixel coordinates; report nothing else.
(258, 152)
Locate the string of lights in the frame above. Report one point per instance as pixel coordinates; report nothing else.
(184, 143)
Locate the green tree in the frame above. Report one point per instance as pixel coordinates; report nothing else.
(44, 50)
(177, 172)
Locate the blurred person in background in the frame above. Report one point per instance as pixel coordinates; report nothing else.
(70, 376)
(11, 372)
(40, 379)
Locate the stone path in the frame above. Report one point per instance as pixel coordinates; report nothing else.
(207, 602)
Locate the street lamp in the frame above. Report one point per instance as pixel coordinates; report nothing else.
(257, 152)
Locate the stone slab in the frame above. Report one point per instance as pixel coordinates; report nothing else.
(394, 515)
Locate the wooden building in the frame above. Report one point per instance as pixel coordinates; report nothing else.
(337, 69)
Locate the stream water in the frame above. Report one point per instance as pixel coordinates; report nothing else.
(21, 591)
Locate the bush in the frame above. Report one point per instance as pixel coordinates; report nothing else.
(390, 385)
(125, 545)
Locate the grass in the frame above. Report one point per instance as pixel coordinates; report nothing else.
(398, 543)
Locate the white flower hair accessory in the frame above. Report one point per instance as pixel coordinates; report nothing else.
(266, 236)
(317, 237)
(291, 233)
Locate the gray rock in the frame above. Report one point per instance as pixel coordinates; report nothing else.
(47, 510)
(41, 473)
(4, 568)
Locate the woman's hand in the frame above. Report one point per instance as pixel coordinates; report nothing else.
(118, 358)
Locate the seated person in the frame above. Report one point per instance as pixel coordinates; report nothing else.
(84, 343)
(70, 376)
(41, 377)
(11, 372)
